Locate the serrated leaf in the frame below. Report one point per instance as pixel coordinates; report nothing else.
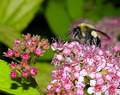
(57, 18)
(75, 8)
(16, 14)
(14, 87)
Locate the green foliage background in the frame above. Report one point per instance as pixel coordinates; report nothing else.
(48, 18)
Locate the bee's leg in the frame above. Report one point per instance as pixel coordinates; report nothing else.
(96, 41)
(88, 38)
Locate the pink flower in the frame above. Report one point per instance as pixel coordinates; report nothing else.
(51, 94)
(38, 51)
(80, 92)
(50, 87)
(76, 65)
(117, 48)
(100, 52)
(76, 75)
(10, 53)
(67, 69)
(25, 56)
(98, 76)
(57, 44)
(108, 77)
(24, 74)
(77, 68)
(112, 90)
(67, 87)
(58, 84)
(66, 52)
(13, 74)
(58, 89)
(33, 71)
(118, 74)
(59, 57)
(17, 41)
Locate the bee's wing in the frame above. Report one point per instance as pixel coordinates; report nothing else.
(101, 33)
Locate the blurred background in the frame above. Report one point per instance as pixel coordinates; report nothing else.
(53, 18)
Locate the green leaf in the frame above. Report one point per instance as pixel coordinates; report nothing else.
(108, 9)
(44, 75)
(16, 14)
(75, 8)
(8, 34)
(57, 18)
(14, 87)
(48, 55)
(92, 15)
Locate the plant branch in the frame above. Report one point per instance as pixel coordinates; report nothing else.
(36, 85)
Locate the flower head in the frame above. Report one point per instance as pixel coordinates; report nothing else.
(76, 66)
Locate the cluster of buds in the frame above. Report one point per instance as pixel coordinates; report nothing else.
(109, 25)
(22, 51)
(79, 68)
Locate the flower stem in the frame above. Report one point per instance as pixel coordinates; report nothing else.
(33, 59)
(15, 60)
(36, 85)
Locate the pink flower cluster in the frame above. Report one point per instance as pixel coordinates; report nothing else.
(82, 69)
(109, 25)
(22, 50)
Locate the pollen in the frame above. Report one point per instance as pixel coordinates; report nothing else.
(94, 34)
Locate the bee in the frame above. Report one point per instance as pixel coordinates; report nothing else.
(86, 34)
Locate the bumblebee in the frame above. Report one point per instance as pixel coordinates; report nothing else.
(86, 34)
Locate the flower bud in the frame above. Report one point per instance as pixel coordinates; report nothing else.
(28, 43)
(33, 71)
(38, 51)
(27, 67)
(24, 74)
(12, 66)
(24, 63)
(10, 52)
(37, 38)
(50, 87)
(17, 54)
(15, 47)
(32, 49)
(17, 41)
(44, 41)
(27, 36)
(18, 67)
(46, 47)
(40, 44)
(13, 74)
(25, 56)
